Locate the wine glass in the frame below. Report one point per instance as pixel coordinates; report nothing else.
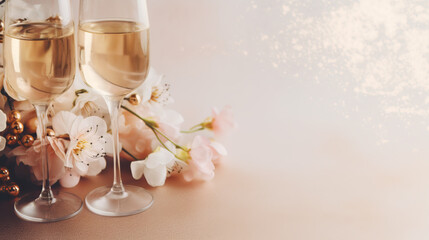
(39, 62)
(113, 58)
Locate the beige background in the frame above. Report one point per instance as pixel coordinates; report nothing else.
(330, 97)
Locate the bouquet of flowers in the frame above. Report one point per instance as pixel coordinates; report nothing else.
(80, 139)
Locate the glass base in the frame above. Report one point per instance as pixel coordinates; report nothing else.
(104, 202)
(34, 209)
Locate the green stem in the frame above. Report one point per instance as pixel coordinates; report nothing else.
(198, 125)
(131, 155)
(155, 129)
(193, 131)
(175, 144)
(147, 122)
(156, 135)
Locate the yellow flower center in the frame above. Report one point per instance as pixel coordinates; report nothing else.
(156, 93)
(80, 146)
(208, 123)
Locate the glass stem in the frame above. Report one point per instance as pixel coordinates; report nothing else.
(46, 194)
(114, 105)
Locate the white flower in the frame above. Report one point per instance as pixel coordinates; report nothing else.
(89, 141)
(153, 90)
(157, 166)
(3, 119)
(89, 103)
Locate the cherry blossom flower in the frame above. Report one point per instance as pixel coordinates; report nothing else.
(135, 136)
(89, 142)
(89, 103)
(153, 91)
(32, 157)
(157, 166)
(200, 166)
(221, 122)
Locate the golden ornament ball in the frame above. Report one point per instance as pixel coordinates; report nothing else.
(11, 139)
(31, 125)
(135, 99)
(50, 132)
(17, 127)
(4, 172)
(12, 189)
(14, 116)
(27, 140)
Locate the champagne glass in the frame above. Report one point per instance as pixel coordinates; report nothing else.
(40, 65)
(113, 57)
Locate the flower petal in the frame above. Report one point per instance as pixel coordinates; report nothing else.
(62, 122)
(89, 127)
(2, 143)
(3, 119)
(161, 157)
(137, 168)
(218, 148)
(70, 179)
(80, 165)
(173, 117)
(96, 166)
(156, 176)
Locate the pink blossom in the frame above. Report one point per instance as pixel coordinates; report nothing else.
(218, 150)
(135, 136)
(223, 121)
(200, 165)
(32, 157)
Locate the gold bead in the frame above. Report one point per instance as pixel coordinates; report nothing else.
(11, 139)
(4, 173)
(31, 126)
(135, 99)
(17, 127)
(27, 140)
(13, 116)
(50, 132)
(12, 189)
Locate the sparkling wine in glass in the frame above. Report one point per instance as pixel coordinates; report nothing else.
(113, 43)
(39, 63)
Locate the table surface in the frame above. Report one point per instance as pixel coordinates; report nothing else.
(331, 101)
